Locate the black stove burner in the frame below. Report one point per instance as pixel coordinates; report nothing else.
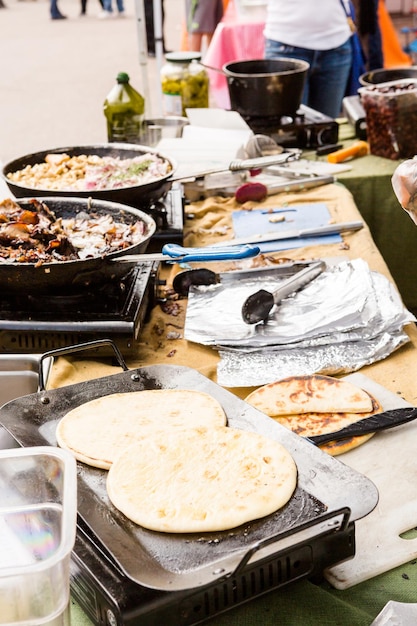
(114, 309)
(101, 588)
(112, 300)
(306, 129)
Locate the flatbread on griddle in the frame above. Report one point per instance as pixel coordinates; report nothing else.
(96, 431)
(201, 479)
(310, 394)
(308, 423)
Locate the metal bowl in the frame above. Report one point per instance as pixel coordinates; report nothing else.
(142, 195)
(266, 87)
(375, 77)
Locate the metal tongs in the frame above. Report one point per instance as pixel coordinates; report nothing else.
(239, 165)
(257, 306)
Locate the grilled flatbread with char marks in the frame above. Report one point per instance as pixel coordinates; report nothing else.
(314, 405)
(310, 394)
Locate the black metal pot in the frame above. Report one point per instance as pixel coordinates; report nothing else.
(66, 276)
(375, 77)
(266, 87)
(143, 195)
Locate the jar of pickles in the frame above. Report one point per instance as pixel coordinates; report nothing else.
(184, 83)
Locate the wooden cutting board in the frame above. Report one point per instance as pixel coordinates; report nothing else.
(389, 459)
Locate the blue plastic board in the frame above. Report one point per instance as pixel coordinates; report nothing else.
(297, 216)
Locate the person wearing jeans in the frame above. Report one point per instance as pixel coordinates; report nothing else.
(108, 9)
(55, 12)
(319, 34)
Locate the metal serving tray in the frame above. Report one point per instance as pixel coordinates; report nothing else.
(19, 375)
(172, 562)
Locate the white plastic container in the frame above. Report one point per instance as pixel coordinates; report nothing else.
(38, 506)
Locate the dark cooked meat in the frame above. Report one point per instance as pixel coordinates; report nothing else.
(38, 236)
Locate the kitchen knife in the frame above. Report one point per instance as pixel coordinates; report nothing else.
(372, 424)
(319, 231)
(258, 191)
(174, 253)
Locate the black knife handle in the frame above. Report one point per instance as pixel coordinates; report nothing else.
(372, 424)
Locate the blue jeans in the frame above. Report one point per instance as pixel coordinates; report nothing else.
(54, 8)
(327, 77)
(107, 6)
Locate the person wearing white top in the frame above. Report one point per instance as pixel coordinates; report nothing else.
(319, 33)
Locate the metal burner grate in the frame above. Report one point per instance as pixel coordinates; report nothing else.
(308, 129)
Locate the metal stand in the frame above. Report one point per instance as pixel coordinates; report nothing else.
(143, 50)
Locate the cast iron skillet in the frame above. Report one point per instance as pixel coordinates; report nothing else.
(65, 275)
(142, 195)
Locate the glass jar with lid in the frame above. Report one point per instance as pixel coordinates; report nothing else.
(184, 83)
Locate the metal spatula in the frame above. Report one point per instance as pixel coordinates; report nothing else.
(257, 306)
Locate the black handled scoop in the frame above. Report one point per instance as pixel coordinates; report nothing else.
(257, 306)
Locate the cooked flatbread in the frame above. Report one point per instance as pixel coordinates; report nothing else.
(96, 431)
(201, 480)
(310, 394)
(309, 423)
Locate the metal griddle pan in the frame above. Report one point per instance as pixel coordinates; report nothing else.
(173, 562)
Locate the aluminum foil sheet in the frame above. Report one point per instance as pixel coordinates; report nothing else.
(237, 369)
(346, 318)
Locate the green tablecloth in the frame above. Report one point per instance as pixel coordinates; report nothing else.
(392, 229)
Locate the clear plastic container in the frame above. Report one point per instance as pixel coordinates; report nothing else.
(38, 506)
(184, 83)
(391, 118)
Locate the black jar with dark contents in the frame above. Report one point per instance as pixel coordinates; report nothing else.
(184, 83)
(391, 118)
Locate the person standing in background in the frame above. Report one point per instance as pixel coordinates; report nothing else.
(84, 6)
(108, 9)
(202, 19)
(55, 12)
(319, 34)
(367, 22)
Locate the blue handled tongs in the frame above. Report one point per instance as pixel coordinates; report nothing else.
(174, 253)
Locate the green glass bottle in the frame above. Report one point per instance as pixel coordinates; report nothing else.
(124, 109)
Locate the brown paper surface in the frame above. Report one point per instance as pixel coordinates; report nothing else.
(210, 221)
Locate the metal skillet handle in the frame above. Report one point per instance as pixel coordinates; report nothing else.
(175, 252)
(79, 347)
(283, 542)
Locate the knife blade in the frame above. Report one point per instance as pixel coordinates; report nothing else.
(374, 423)
(319, 231)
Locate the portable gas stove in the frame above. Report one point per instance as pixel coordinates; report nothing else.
(307, 129)
(34, 324)
(124, 575)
